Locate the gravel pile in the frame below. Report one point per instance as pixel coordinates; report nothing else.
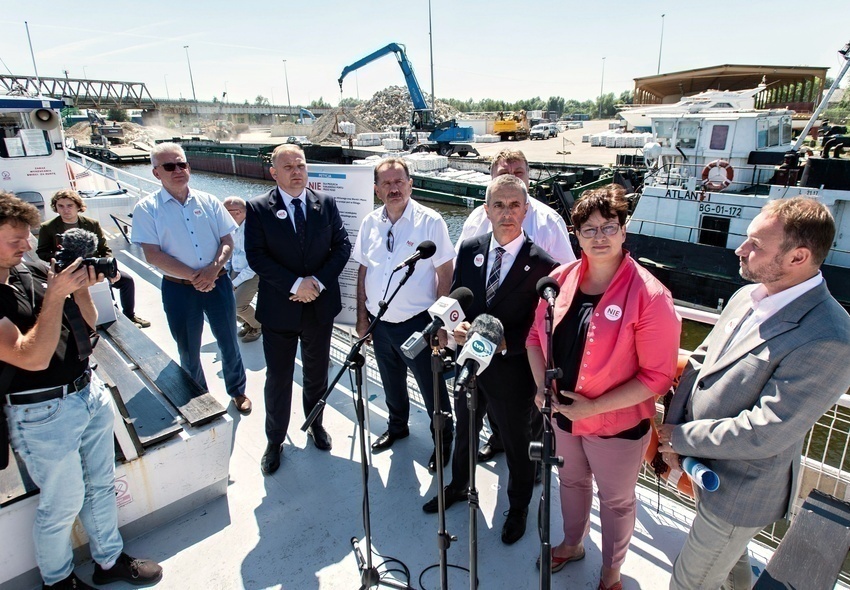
(323, 129)
(392, 106)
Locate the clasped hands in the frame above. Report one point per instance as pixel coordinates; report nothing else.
(665, 446)
(307, 291)
(204, 279)
(580, 409)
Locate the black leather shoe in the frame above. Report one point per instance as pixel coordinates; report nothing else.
(452, 496)
(387, 439)
(320, 437)
(487, 452)
(432, 462)
(514, 527)
(72, 582)
(138, 572)
(271, 459)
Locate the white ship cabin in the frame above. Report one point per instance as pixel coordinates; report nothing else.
(730, 151)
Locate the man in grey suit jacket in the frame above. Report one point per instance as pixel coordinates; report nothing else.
(774, 363)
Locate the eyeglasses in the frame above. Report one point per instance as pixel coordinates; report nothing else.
(608, 230)
(172, 166)
(390, 239)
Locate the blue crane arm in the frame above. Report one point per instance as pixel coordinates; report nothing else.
(407, 69)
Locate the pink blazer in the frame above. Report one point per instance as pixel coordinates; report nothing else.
(634, 332)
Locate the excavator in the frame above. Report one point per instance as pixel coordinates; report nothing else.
(443, 136)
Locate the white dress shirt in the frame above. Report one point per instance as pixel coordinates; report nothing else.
(416, 225)
(238, 262)
(290, 209)
(512, 248)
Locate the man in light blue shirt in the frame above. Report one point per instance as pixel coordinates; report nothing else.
(186, 234)
(245, 280)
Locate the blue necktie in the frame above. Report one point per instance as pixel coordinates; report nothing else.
(495, 272)
(300, 223)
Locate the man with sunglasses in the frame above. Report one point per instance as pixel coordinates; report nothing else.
(297, 244)
(388, 236)
(186, 234)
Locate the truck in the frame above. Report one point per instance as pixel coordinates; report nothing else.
(443, 136)
(511, 126)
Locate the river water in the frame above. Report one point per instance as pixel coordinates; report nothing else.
(223, 186)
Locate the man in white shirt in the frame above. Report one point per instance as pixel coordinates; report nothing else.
(388, 236)
(545, 227)
(245, 281)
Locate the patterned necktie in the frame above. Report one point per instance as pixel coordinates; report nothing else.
(300, 223)
(493, 279)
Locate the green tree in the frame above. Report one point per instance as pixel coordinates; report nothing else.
(319, 104)
(605, 106)
(119, 115)
(261, 101)
(349, 102)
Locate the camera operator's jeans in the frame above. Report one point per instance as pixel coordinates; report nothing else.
(185, 308)
(68, 447)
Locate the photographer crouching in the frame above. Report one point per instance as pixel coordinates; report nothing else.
(60, 416)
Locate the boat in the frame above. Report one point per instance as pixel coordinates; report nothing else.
(195, 499)
(709, 175)
(638, 117)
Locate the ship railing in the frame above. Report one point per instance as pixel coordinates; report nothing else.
(699, 235)
(689, 177)
(826, 450)
(135, 186)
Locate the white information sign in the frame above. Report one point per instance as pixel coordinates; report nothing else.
(353, 188)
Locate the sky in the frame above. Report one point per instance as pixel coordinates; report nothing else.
(482, 48)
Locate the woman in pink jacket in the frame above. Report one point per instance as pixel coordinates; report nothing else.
(616, 339)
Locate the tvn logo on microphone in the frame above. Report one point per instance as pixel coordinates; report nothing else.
(481, 347)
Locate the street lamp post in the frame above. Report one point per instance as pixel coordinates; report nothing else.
(166, 87)
(286, 78)
(601, 85)
(191, 79)
(225, 89)
(660, 45)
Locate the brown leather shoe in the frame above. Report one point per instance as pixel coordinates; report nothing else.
(243, 404)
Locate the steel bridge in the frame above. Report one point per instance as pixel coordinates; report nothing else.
(112, 94)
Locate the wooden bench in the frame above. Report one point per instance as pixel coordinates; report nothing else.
(813, 550)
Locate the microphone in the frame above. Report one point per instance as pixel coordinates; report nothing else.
(484, 336)
(424, 250)
(446, 312)
(78, 243)
(548, 289)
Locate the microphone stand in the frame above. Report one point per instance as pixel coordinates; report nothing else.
(444, 539)
(471, 391)
(370, 577)
(545, 452)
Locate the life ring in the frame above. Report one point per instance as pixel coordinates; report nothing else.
(684, 483)
(717, 175)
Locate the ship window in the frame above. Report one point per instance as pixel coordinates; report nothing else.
(686, 135)
(722, 105)
(713, 231)
(719, 134)
(786, 130)
(664, 129)
(18, 141)
(773, 132)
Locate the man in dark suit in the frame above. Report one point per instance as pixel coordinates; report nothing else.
(501, 269)
(296, 243)
(775, 361)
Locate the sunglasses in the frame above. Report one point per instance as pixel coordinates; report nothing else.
(172, 166)
(390, 239)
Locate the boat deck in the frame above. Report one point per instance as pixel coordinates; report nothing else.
(293, 530)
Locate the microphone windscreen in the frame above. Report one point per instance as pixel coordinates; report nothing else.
(426, 249)
(463, 296)
(547, 282)
(79, 243)
(488, 327)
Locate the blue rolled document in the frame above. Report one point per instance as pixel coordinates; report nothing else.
(700, 474)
